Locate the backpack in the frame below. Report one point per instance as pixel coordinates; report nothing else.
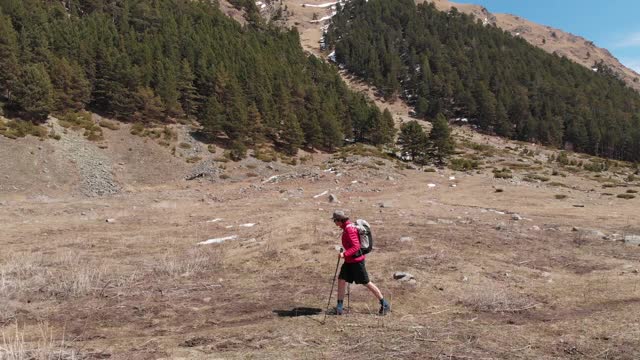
(364, 236)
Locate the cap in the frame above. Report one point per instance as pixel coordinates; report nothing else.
(339, 215)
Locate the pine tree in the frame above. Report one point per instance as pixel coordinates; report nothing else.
(413, 140)
(72, 90)
(150, 105)
(440, 139)
(33, 92)
(188, 95)
(384, 128)
(291, 135)
(8, 55)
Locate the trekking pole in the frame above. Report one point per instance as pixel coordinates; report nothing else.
(331, 292)
(348, 298)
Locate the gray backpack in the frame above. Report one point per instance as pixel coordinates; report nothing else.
(365, 237)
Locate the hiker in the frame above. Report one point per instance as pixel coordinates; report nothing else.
(353, 269)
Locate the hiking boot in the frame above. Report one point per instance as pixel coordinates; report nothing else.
(335, 311)
(385, 308)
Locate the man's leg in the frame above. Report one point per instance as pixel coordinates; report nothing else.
(373, 288)
(341, 286)
(384, 304)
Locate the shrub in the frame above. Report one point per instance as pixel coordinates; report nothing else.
(535, 177)
(563, 158)
(236, 152)
(505, 173)
(460, 164)
(632, 191)
(595, 166)
(626, 196)
(109, 125)
(169, 134)
(429, 170)
(211, 148)
(184, 145)
(251, 174)
(19, 128)
(194, 159)
(558, 184)
(265, 154)
(560, 196)
(137, 129)
(289, 160)
(224, 176)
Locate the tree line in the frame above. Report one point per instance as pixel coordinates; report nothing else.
(450, 63)
(160, 60)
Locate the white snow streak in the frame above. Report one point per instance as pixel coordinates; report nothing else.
(218, 240)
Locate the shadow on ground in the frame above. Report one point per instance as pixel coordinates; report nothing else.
(298, 311)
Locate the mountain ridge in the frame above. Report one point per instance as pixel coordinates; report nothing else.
(550, 39)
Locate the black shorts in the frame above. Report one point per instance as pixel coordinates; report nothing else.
(354, 273)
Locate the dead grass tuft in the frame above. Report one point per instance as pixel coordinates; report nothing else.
(495, 300)
(47, 347)
(195, 261)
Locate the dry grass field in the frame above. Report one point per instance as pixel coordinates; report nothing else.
(504, 268)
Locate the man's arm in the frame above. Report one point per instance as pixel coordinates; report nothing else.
(352, 234)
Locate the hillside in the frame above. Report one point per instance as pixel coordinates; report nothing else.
(128, 241)
(449, 63)
(552, 40)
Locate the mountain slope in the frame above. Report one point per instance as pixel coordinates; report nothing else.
(575, 48)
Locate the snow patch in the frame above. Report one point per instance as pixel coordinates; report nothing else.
(218, 240)
(320, 5)
(322, 194)
(322, 18)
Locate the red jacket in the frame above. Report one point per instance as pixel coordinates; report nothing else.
(350, 243)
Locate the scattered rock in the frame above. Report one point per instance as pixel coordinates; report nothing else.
(578, 205)
(444, 221)
(207, 169)
(111, 221)
(501, 226)
(632, 239)
(406, 239)
(333, 198)
(83, 213)
(390, 178)
(535, 228)
(403, 276)
(589, 233)
(384, 204)
(196, 341)
(516, 217)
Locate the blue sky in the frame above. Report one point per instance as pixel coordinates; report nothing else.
(610, 24)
